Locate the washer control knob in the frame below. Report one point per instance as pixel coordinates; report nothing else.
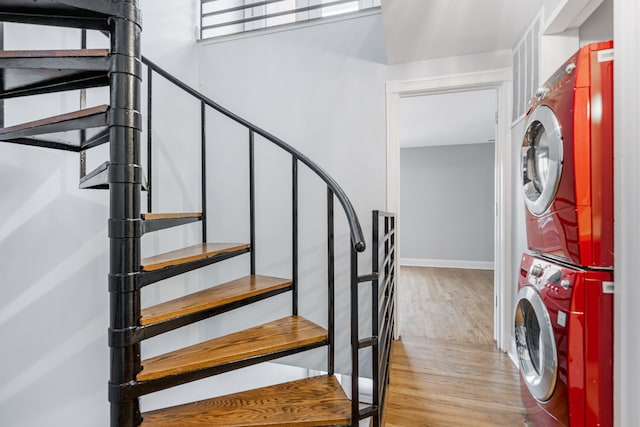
(536, 271)
(565, 283)
(541, 92)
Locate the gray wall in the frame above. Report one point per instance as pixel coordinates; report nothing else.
(447, 203)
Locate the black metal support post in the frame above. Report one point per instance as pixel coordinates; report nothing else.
(385, 306)
(83, 104)
(149, 137)
(124, 189)
(252, 201)
(355, 347)
(375, 306)
(331, 283)
(1, 100)
(203, 158)
(294, 234)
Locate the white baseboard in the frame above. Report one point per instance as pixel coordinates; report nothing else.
(447, 263)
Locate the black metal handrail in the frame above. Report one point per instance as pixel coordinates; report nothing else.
(357, 237)
(379, 343)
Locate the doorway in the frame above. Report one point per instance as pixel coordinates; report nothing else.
(498, 80)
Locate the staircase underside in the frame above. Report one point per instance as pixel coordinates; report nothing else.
(25, 73)
(73, 131)
(315, 401)
(67, 13)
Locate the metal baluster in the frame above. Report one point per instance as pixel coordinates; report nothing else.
(294, 233)
(331, 280)
(203, 153)
(355, 368)
(252, 201)
(149, 137)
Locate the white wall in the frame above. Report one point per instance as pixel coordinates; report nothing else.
(54, 245)
(320, 89)
(599, 26)
(518, 235)
(627, 204)
(447, 205)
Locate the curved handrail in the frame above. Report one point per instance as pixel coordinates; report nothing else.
(357, 237)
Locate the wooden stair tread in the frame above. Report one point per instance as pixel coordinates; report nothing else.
(188, 254)
(217, 296)
(283, 334)
(315, 401)
(156, 216)
(66, 53)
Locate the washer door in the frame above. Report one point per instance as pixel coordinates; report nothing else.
(541, 159)
(535, 344)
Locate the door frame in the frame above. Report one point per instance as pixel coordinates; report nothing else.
(500, 80)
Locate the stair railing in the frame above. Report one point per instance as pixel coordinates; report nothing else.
(384, 294)
(385, 272)
(383, 280)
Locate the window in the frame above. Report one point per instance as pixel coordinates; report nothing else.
(223, 17)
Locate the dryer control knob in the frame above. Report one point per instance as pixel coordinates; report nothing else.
(570, 67)
(541, 92)
(536, 271)
(565, 283)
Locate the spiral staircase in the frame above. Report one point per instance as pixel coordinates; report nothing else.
(315, 401)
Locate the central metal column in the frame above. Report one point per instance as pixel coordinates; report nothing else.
(125, 180)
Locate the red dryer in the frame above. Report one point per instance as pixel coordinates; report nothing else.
(567, 161)
(564, 342)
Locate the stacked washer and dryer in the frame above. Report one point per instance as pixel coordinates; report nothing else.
(564, 313)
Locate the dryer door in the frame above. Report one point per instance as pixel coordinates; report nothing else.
(535, 344)
(541, 159)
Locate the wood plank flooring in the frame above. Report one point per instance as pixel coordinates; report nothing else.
(446, 370)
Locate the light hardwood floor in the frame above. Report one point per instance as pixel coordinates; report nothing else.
(446, 370)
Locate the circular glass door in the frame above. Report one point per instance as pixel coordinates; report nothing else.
(541, 159)
(535, 344)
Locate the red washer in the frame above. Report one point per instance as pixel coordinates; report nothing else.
(567, 161)
(564, 341)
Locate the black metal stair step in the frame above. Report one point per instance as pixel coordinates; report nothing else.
(98, 179)
(161, 221)
(315, 401)
(34, 72)
(163, 266)
(209, 302)
(258, 344)
(89, 14)
(73, 131)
